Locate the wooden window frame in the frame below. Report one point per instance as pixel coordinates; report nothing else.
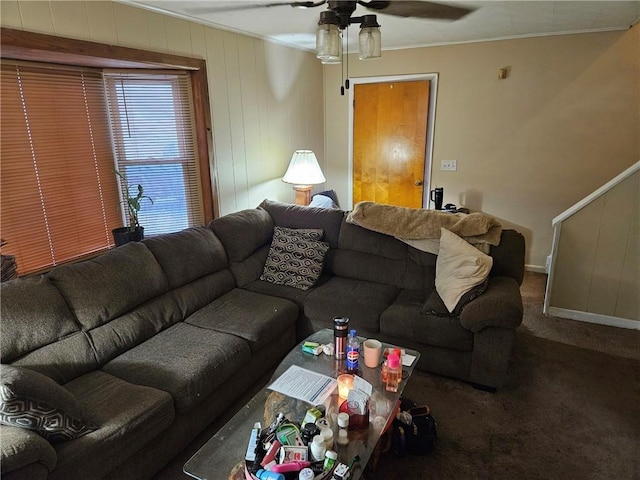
(39, 47)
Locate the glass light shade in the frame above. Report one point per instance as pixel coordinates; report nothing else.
(370, 44)
(304, 169)
(328, 43)
(332, 59)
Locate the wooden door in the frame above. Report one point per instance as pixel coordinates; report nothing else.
(389, 142)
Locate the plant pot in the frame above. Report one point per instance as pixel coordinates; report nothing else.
(124, 235)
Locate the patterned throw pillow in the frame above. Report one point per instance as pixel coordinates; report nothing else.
(295, 258)
(33, 401)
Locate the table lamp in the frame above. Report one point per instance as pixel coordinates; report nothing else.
(303, 172)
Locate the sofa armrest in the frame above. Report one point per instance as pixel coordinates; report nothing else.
(499, 306)
(20, 448)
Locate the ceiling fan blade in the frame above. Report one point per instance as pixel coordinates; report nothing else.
(253, 6)
(402, 8)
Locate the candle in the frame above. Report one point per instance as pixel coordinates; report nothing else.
(345, 385)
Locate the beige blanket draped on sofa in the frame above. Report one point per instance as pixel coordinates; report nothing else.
(421, 228)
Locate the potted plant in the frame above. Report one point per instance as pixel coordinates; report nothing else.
(134, 232)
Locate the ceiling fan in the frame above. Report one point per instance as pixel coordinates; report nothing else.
(344, 9)
(339, 15)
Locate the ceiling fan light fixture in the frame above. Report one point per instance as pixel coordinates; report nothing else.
(328, 40)
(369, 38)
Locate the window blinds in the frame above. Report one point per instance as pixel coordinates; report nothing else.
(153, 130)
(59, 194)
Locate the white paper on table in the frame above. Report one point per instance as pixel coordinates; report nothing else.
(305, 385)
(361, 384)
(407, 359)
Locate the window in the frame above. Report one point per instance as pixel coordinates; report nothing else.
(154, 144)
(38, 230)
(59, 193)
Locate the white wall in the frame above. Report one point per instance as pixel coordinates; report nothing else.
(266, 99)
(565, 121)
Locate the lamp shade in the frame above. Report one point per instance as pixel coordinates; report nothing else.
(304, 169)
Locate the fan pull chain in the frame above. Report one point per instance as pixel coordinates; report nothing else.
(346, 51)
(342, 65)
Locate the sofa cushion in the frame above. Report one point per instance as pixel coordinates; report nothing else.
(128, 416)
(292, 294)
(21, 448)
(109, 285)
(499, 306)
(187, 361)
(40, 332)
(188, 255)
(508, 256)
(244, 232)
(250, 269)
(295, 257)
(33, 401)
(361, 301)
(296, 216)
(435, 305)
(459, 267)
(195, 295)
(404, 319)
(132, 328)
(30, 307)
(257, 318)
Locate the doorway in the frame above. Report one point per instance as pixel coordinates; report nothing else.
(391, 139)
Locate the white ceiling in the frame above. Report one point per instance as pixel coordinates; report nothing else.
(491, 20)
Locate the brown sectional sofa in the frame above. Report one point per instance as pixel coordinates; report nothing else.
(156, 339)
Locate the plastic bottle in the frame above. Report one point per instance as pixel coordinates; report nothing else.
(353, 352)
(330, 458)
(318, 449)
(265, 475)
(393, 377)
(327, 435)
(306, 474)
(398, 352)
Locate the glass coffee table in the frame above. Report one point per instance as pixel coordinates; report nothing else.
(223, 455)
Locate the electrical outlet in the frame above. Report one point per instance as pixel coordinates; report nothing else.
(448, 165)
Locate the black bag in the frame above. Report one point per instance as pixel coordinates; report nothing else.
(419, 436)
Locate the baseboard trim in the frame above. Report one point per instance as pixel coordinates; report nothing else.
(535, 268)
(594, 318)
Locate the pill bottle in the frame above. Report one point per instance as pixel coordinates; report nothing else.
(318, 449)
(330, 458)
(306, 474)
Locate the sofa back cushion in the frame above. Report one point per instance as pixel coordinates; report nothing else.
(40, 332)
(243, 232)
(188, 255)
(508, 257)
(367, 255)
(246, 236)
(296, 216)
(103, 288)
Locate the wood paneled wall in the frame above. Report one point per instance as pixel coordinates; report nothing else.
(266, 99)
(597, 266)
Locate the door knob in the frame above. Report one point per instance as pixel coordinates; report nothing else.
(418, 183)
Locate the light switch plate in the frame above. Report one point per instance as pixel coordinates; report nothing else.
(449, 165)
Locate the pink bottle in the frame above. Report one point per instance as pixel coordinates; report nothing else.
(393, 375)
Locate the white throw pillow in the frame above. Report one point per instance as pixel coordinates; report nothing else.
(460, 267)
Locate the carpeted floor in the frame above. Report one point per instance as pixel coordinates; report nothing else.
(570, 409)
